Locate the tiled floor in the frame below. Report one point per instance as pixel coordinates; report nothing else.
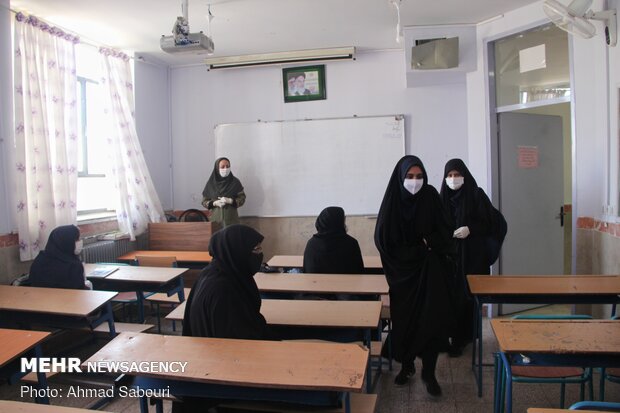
(454, 375)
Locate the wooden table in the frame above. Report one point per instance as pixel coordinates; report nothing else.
(57, 307)
(14, 344)
(297, 372)
(341, 315)
(371, 262)
(536, 289)
(583, 343)
(313, 313)
(360, 284)
(9, 406)
(140, 280)
(189, 259)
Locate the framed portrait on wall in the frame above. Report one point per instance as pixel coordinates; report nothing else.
(305, 83)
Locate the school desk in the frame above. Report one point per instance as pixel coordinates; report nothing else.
(576, 343)
(371, 262)
(288, 371)
(9, 406)
(57, 307)
(189, 259)
(339, 315)
(313, 313)
(16, 343)
(535, 289)
(139, 280)
(360, 284)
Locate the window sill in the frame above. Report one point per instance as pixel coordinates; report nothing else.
(96, 217)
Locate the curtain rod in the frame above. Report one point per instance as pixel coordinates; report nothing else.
(83, 40)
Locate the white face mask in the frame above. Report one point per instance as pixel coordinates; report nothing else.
(79, 245)
(413, 185)
(455, 182)
(224, 172)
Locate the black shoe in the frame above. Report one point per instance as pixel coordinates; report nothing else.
(432, 386)
(406, 372)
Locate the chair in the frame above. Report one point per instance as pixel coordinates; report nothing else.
(123, 298)
(542, 374)
(598, 406)
(159, 298)
(612, 375)
(193, 215)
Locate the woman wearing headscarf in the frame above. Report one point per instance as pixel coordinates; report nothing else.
(331, 250)
(225, 302)
(59, 265)
(223, 194)
(471, 211)
(414, 238)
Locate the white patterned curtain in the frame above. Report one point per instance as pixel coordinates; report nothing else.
(138, 203)
(45, 131)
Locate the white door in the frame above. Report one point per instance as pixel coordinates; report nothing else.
(531, 195)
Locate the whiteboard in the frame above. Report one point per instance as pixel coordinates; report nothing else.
(297, 168)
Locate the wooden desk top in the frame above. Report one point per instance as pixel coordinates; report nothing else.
(17, 342)
(297, 261)
(544, 284)
(9, 406)
(78, 303)
(313, 313)
(159, 275)
(323, 283)
(182, 256)
(271, 364)
(558, 336)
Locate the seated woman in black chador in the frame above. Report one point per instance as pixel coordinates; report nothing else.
(225, 301)
(331, 250)
(414, 237)
(59, 265)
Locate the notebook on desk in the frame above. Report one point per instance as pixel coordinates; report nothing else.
(102, 272)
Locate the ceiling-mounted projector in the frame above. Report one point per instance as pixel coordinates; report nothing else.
(182, 41)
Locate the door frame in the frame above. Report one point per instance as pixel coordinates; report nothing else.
(493, 135)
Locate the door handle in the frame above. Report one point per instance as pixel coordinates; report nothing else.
(560, 216)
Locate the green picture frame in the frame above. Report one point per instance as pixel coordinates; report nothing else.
(302, 84)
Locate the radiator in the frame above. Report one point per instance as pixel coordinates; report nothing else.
(105, 251)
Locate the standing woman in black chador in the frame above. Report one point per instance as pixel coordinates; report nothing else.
(414, 237)
(223, 194)
(471, 211)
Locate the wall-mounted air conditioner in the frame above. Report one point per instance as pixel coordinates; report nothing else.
(298, 56)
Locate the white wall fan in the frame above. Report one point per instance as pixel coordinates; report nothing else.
(575, 19)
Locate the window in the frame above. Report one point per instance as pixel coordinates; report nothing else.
(95, 191)
(532, 67)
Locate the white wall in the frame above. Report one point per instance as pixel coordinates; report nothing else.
(153, 125)
(374, 84)
(6, 114)
(590, 112)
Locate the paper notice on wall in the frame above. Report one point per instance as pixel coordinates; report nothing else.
(528, 157)
(532, 58)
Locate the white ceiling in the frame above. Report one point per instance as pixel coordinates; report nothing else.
(256, 26)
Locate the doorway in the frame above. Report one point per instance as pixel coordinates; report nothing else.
(531, 151)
